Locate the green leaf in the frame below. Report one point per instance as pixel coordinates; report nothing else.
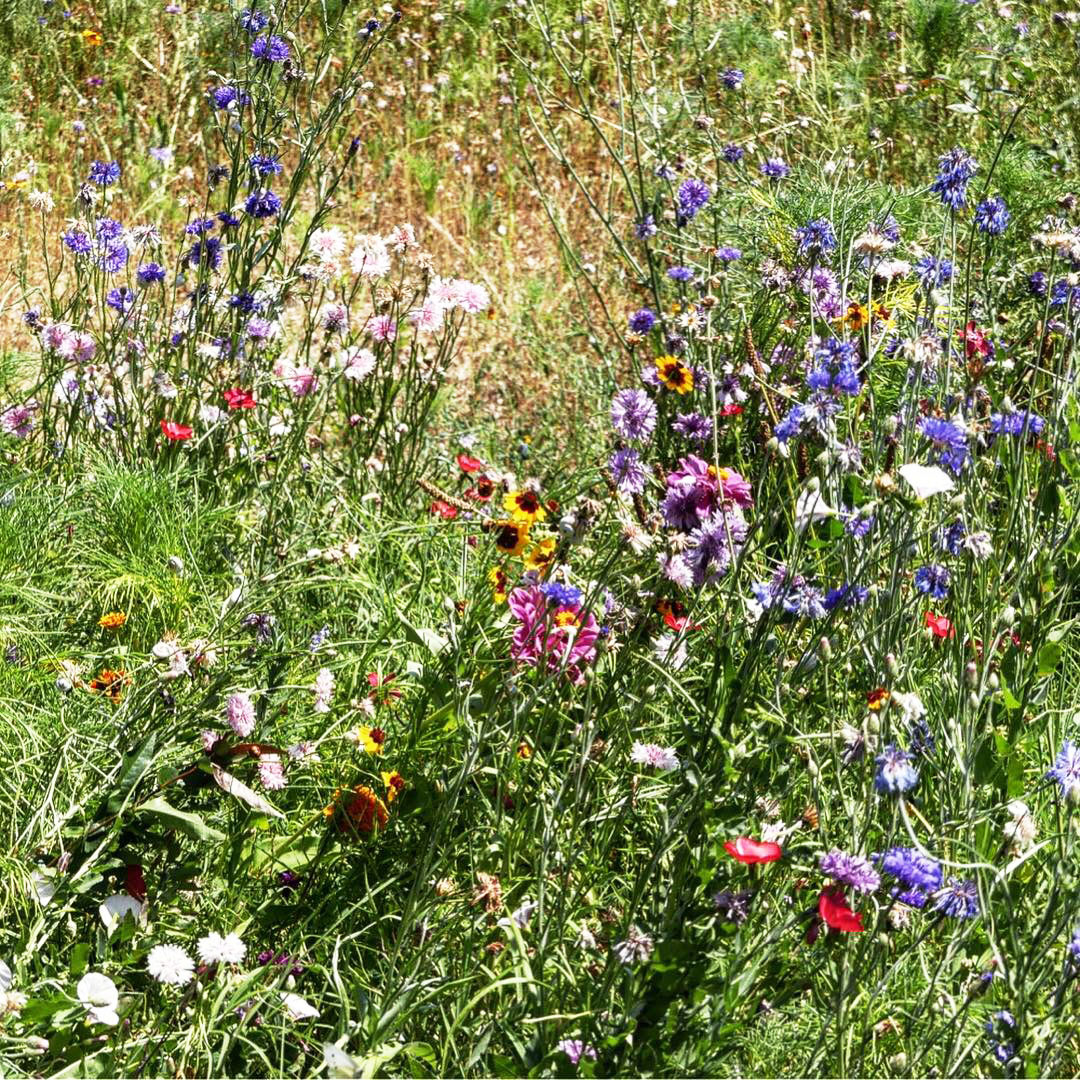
(190, 824)
(79, 955)
(1049, 657)
(137, 766)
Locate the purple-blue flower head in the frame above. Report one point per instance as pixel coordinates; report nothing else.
(933, 580)
(775, 168)
(633, 415)
(692, 195)
(895, 774)
(992, 216)
(262, 204)
(732, 78)
(561, 595)
(852, 870)
(104, 173)
(628, 472)
(254, 21)
(1017, 423)
(958, 899)
(949, 439)
(1066, 771)
(265, 164)
(273, 49)
(815, 238)
(150, 273)
(955, 169)
(642, 321)
(693, 426)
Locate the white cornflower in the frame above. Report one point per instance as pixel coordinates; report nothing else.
(98, 995)
(659, 757)
(522, 916)
(978, 545)
(910, 706)
(1020, 830)
(324, 690)
(215, 949)
(637, 948)
(170, 964)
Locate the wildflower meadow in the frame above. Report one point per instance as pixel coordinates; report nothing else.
(539, 538)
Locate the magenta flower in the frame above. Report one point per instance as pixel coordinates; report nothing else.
(561, 637)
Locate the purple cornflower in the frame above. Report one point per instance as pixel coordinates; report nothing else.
(815, 238)
(262, 204)
(253, 21)
(732, 78)
(78, 242)
(1017, 423)
(692, 195)
(895, 773)
(1066, 771)
(575, 1050)
(199, 226)
(951, 538)
(120, 299)
(838, 368)
(933, 580)
(681, 273)
(728, 254)
(933, 273)
(847, 596)
(104, 173)
(734, 906)
(775, 168)
(245, 302)
(633, 415)
(1037, 284)
(645, 228)
(949, 439)
(955, 169)
(149, 273)
(732, 153)
(642, 321)
(628, 472)
(561, 595)
(205, 252)
(958, 899)
(715, 544)
(692, 426)
(225, 97)
(853, 870)
(919, 874)
(265, 164)
(992, 216)
(273, 49)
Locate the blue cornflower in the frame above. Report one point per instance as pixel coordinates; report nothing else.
(1037, 284)
(1017, 423)
(920, 737)
(104, 173)
(790, 426)
(949, 439)
(1064, 293)
(149, 273)
(265, 164)
(775, 168)
(199, 226)
(206, 251)
(732, 78)
(369, 28)
(992, 216)
(253, 21)
(272, 49)
(225, 97)
(244, 302)
(911, 868)
(837, 371)
(933, 273)
(228, 221)
(955, 169)
(645, 228)
(933, 580)
(692, 195)
(732, 153)
(728, 254)
(816, 238)
(642, 321)
(846, 596)
(805, 600)
(78, 242)
(120, 299)
(1066, 771)
(681, 273)
(895, 773)
(951, 538)
(32, 317)
(958, 899)
(561, 595)
(890, 229)
(628, 472)
(858, 525)
(262, 204)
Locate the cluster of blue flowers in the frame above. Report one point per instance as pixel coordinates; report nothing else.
(955, 170)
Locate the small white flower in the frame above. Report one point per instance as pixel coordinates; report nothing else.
(116, 908)
(810, 508)
(926, 480)
(170, 964)
(637, 947)
(663, 758)
(297, 1007)
(910, 706)
(98, 995)
(522, 916)
(671, 651)
(215, 949)
(978, 545)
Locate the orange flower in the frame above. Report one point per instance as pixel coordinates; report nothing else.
(363, 811)
(92, 38)
(110, 683)
(112, 620)
(875, 700)
(499, 584)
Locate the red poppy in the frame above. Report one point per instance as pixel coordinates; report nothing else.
(238, 398)
(833, 908)
(134, 881)
(750, 851)
(940, 625)
(731, 410)
(444, 510)
(470, 464)
(176, 432)
(1046, 448)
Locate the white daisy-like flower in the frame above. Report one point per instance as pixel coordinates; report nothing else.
(170, 964)
(215, 949)
(98, 995)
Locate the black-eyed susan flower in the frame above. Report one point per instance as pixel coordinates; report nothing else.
(92, 38)
(395, 784)
(511, 537)
(371, 739)
(540, 555)
(500, 584)
(524, 505)
(674, 374)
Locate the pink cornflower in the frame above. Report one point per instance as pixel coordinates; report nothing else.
(324, 690)
(78, 346)
(357, 363)
(300, 380)
(55, 335)
(658, 757)
(562, 637)
(382, 328)
(401, 239)
(271, 774)
(370, 258)
(575, 1050)
(18, 420)
(470, 297)
(428, 317)
(241, 714)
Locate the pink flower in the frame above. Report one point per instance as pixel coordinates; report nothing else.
(271, 774)
(401, 239)
(735, 487)
(470, 297)
(654, 756)
(563, 637)
(300, 380)
(358, 363)
(370, 258)
(79, 346)
(382, 328)
(428, 317)
(18, 420)
(241, 714)
(56, 334)
(324, 690)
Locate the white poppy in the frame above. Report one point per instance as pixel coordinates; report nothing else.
(116, 908)
(297, 1007)
(810, 508)
(98, 995)
(926, 480)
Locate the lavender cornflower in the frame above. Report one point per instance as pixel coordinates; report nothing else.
(992, 216)
(732, 154)
(728, 254)
(1017, 423)
(955, 169)
(633, 415)
(958, 899)
(681, 274)
(104, 173)
(895, 773)
(853, 870)
(933, 273)
(933, 580)
(262, 204)
(693, 426)
(628, 472)
(805, 600)
(713, 546)
(1066, 771)
(692, 195)
(775, 168)
(253, 21)
(641, 322)
(734, 906)
(815, 238)
(575, 1050)
(265, 164)
(949, 439)
(319, 638)
(732, 78)
(859, 525)
(272, 49)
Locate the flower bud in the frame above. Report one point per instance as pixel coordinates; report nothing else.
(891, 666)
(993, 681)
(973, 700)
(825, 648)
(1008, 616)
(971, 673)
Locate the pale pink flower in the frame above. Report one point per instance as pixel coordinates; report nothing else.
(56, 334)
(324, 690)
(241, 714)
(78, 346)
(401, 239)
(381, 328)
(470, 297)
(427, 318)
(300, 380)
(358, 364)
(327, 244)
(370, 258)
(657, 757)
(271, 774)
